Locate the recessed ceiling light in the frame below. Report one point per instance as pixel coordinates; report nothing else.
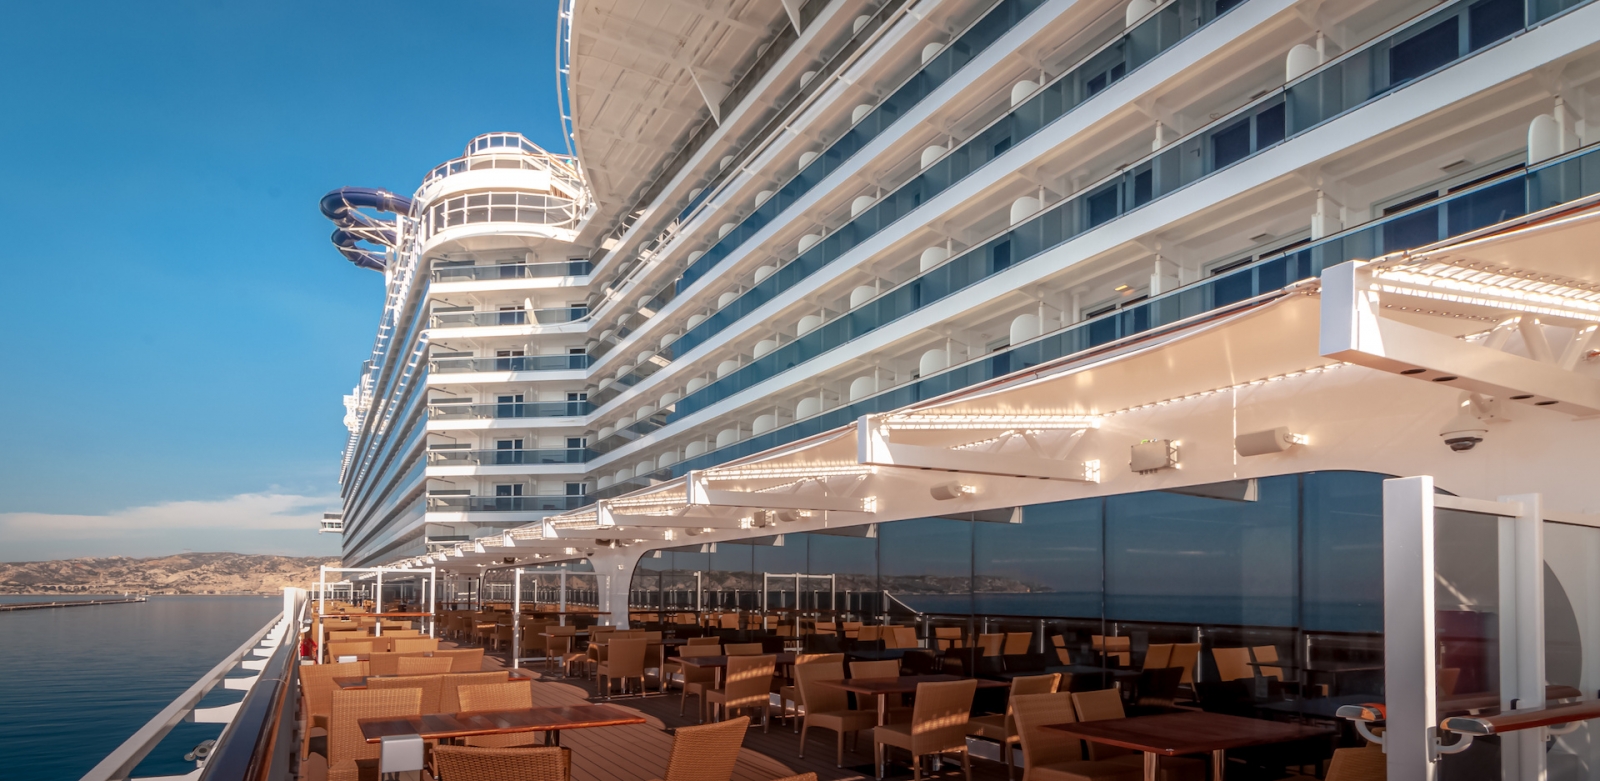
(1120, 288)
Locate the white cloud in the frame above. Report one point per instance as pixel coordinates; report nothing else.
(247, 523)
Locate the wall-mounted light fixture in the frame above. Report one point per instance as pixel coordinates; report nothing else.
(1153, 455)
(1272, 440)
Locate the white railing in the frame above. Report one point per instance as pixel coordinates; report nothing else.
(253, 656)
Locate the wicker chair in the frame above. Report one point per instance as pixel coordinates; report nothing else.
(887, 668)
(349, 648)
(938, 725)
(387, 662)
(347, 749)
(316, 694)
(747, 686)
(801, 777)
(514, 695)
(558, 645)
(947, 637)
(428, 684)
(1017, 643)
(1002, 727)
(624, 659)
(413, 644)
(790, 692)
(1233, 664)
(1367, 763)
(697, 680)
(828, 707)
(1046, 756)
(464, 660)
(742, 649)
(450, 687)
(464, 763)
(706, 640)
(423, 665)
(1267, 653)
(1185, 655)
(991, 644)
(1107, 704)
(706, 752)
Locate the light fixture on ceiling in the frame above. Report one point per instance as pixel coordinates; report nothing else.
(1123, 288)
(1153, 455)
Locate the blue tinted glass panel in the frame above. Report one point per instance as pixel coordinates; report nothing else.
(926, 563)
(1204, 560)
(1343, 552)
(1047, 565)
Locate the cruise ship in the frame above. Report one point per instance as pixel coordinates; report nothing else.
(1115, 328)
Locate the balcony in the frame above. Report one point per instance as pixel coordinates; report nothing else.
(529, 409)
(514, 363)
(566, 268)
(555, 316)
(486, 504)
(572, 455)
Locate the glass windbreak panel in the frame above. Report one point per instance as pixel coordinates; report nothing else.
(729, 582)
(851, 556)
(1466, 610)
(646, 589)
(1572, 639)
(1046, 565)
(1229, 557)
(1342, 582)
(776, 560)
(925, 565)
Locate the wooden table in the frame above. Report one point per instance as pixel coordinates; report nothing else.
(549, 720)
(905, 684)
(360, 681)
(1188, 732)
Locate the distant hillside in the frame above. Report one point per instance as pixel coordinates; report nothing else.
(185, 573)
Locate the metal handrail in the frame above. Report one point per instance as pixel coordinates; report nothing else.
(120, 762)
(251, 747)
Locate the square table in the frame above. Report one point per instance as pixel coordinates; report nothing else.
(549, 720)
(905, 684)
(1187, 732)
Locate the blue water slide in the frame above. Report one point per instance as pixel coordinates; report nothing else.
(343, 206)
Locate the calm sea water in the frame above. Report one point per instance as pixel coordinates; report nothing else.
(75, 682)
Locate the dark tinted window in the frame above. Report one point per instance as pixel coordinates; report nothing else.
(1429, 49)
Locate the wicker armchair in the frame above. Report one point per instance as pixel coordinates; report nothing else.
(347, 749)
(513, 695)
(938, 725)
(742, 649)
(428, 684)
(828, 707)
(423, 665)
(349, 648)
(1002, 727)
(706, 752)
(316, 695)
(464, 763)
(450, 688)
(747, 686)
(465, 660)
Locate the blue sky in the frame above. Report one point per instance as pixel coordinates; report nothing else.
(180, 329)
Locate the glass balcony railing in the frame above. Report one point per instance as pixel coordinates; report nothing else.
(480, 504)
(1100, 69)
(520, 409)
(999, 20)
(576, 455)
(513, 363)
(569, 268)
(1417, 48)
(555, 211)
(1562, 180)
(554, 316)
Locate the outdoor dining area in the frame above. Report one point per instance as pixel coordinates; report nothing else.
(741, 694)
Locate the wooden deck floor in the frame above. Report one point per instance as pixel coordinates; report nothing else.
(778, 747)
